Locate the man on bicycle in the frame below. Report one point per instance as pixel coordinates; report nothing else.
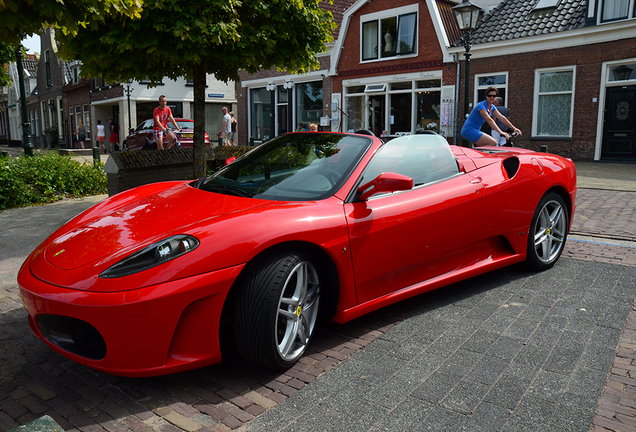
(162, 114)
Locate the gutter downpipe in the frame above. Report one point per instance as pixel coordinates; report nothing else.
(456, 137)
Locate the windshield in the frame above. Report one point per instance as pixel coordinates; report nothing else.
(183, 124)
(295, 167)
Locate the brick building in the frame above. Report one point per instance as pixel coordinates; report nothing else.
(566, 70)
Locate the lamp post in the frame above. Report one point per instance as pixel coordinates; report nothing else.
(128, 90)
(466, 15)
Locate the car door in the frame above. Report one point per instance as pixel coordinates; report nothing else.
(403, 238)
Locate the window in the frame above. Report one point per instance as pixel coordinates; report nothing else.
(542, 4)
(45, 116)
(87, 121)
(622, 72)
(389, 33)
(47, 65)
(261, 109)
(554, 102)
(614, 10)
(308, 102)
(76, 75)
(499, 80)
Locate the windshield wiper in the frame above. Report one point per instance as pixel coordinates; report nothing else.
(228, 190)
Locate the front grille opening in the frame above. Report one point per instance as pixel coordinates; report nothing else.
(73, 335)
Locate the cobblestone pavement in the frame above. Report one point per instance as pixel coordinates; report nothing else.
(35, 381)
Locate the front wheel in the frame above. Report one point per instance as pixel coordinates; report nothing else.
(276, 310)
(548, 232)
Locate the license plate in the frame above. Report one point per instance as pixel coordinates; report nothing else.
(187, 135)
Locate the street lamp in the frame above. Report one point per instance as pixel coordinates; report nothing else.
(467, 15)
(128, 90)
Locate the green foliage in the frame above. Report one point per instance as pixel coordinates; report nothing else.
(7, 55)
(225, 36)
(20, 18)
(47, 178)
(189, 38)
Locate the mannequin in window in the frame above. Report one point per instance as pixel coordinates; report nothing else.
(388, 42)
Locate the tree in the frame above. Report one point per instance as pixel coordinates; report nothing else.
(189, 38)
(21, 18)
(7, 55)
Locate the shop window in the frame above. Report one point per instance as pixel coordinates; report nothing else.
(428, 110)
(309, 102)
(354, 89)
(428, 84)
(354, 109)
(389, 33)
(554, 102)
(260, 113)
(402, 85)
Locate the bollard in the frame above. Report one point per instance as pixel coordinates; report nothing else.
(220, 141)
(544, 149)
(96, 157)
(251, 141)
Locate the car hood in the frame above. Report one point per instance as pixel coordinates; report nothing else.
(121, 229)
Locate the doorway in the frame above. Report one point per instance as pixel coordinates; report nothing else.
(376, 114)
(619, 134)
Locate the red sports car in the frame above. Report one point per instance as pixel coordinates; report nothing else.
(144, 132)
(308, 226)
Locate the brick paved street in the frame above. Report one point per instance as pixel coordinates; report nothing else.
(35, 381)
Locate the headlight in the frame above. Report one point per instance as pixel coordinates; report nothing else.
(155, 254)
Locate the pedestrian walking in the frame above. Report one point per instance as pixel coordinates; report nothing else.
(81, 133)
(226, 130)
(101, 135)
(114, 135)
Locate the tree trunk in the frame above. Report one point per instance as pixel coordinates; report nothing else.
(199, 162)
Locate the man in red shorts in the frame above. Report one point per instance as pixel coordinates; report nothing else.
(162, 114)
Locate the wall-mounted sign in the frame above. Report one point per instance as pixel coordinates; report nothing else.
(216, 95)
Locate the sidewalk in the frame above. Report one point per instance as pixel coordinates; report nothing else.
(511, 350)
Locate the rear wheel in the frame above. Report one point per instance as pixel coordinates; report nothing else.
(276, 310)
(548, 232)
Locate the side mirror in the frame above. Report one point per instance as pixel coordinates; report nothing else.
(230, 160)
(385, 182)
(131, 131)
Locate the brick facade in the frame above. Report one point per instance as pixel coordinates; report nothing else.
(588, 60)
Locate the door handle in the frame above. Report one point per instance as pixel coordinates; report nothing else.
(476, 180)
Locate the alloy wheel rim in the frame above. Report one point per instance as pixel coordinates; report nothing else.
(297, 311)
(550, 231)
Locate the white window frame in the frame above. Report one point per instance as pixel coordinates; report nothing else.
(389, 13)
(601, 6)
(478, 87)
(535, 112)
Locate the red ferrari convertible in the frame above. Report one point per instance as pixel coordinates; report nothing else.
(308, 226)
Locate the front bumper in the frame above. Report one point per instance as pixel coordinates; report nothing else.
(156, 330)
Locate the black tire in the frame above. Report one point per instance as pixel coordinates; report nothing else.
(548, 232)
(276, 310)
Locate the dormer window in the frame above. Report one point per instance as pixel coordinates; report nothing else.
(544, 4)
(389, 34)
